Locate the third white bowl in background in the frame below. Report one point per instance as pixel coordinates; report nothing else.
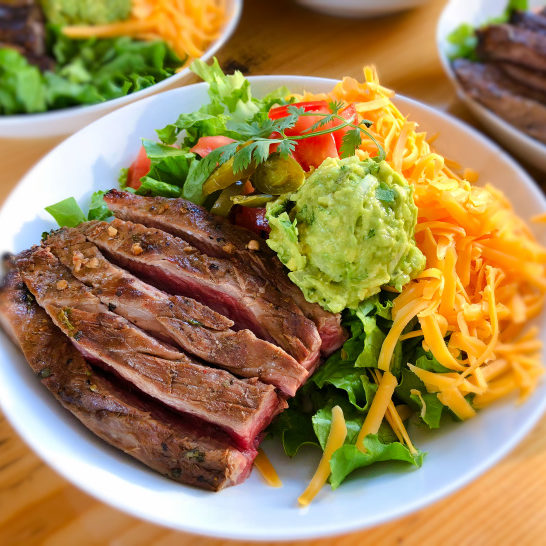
(360, 8)
(478, 12)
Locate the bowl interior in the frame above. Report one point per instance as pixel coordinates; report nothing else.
(90, 160)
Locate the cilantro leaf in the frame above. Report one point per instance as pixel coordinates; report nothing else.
(350, 142)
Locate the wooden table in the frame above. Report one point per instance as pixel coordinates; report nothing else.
(505, 506)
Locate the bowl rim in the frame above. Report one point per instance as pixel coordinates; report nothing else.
(58, 115)
(330, 529)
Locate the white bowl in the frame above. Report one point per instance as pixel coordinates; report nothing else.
(67, 120)
(360, 8)
(90, 160)
(477, 12)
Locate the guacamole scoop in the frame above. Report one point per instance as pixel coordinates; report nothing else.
(347, 231)
(90, 12)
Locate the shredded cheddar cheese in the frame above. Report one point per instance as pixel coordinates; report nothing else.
(266, 469)
(485, 274)
(336, 438)
(188, 26)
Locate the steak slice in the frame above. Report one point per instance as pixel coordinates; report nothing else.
(225, 286)
(194, 327)
(529, 20)
(532, 79)
(487, 85)
(183, 449)
(512, 44)
(241, 407)
(217, 237)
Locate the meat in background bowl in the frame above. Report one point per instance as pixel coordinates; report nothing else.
(68, 120)
(476, 13)
(251, 511)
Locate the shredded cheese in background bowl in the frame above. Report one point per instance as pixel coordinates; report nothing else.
(188, 26)
(485, 275)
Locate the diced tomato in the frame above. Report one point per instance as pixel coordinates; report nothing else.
(311, 152)
(253, 219)
(139, 167)
(207, 144)
(348, 113)
(309, 106)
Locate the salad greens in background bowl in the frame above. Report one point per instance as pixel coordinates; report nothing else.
(455, 453)
(75, 61)
(518, 123)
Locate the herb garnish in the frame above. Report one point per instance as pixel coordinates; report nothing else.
(255, 139)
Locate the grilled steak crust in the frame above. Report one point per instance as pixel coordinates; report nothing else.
(217, 237)
(512, 44)
(229, 288)
(241, 407)
(186, 451)
(487, 85)
(194, 327)
(536, 81)
(529, 20)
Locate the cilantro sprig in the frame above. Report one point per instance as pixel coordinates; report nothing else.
(256, 137)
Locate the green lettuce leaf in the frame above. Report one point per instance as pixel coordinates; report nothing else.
(431, 415)
(349, 458)
(67, 213)
(98, 210)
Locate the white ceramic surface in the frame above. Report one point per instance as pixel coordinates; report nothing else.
(69, 120)
(477, 12)
(360, 8)
(90, 160)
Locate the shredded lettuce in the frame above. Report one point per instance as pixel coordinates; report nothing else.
(87, 72)
(345, 380)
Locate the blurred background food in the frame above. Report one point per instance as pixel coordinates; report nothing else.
(60, 53)
(503, 66)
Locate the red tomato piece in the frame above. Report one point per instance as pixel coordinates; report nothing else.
(139, 167)
(348, 113)
(207, 144)
(312, 151)
(309, 106)
(253, 219)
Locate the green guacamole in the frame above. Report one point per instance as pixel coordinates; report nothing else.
(86, 12)
(347, 231)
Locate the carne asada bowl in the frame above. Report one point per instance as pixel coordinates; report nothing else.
(215, 448)
(65, 63)
(506, 93)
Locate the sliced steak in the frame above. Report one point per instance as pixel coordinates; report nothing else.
(196, 328)
(529, 20)
(225, 286)
(532, 79)
(217, 237)
(512, 44)
(181, 448)
(487, 85)
(241, 407)
(22, 28)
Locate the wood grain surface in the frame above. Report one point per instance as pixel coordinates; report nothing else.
(507, 505)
